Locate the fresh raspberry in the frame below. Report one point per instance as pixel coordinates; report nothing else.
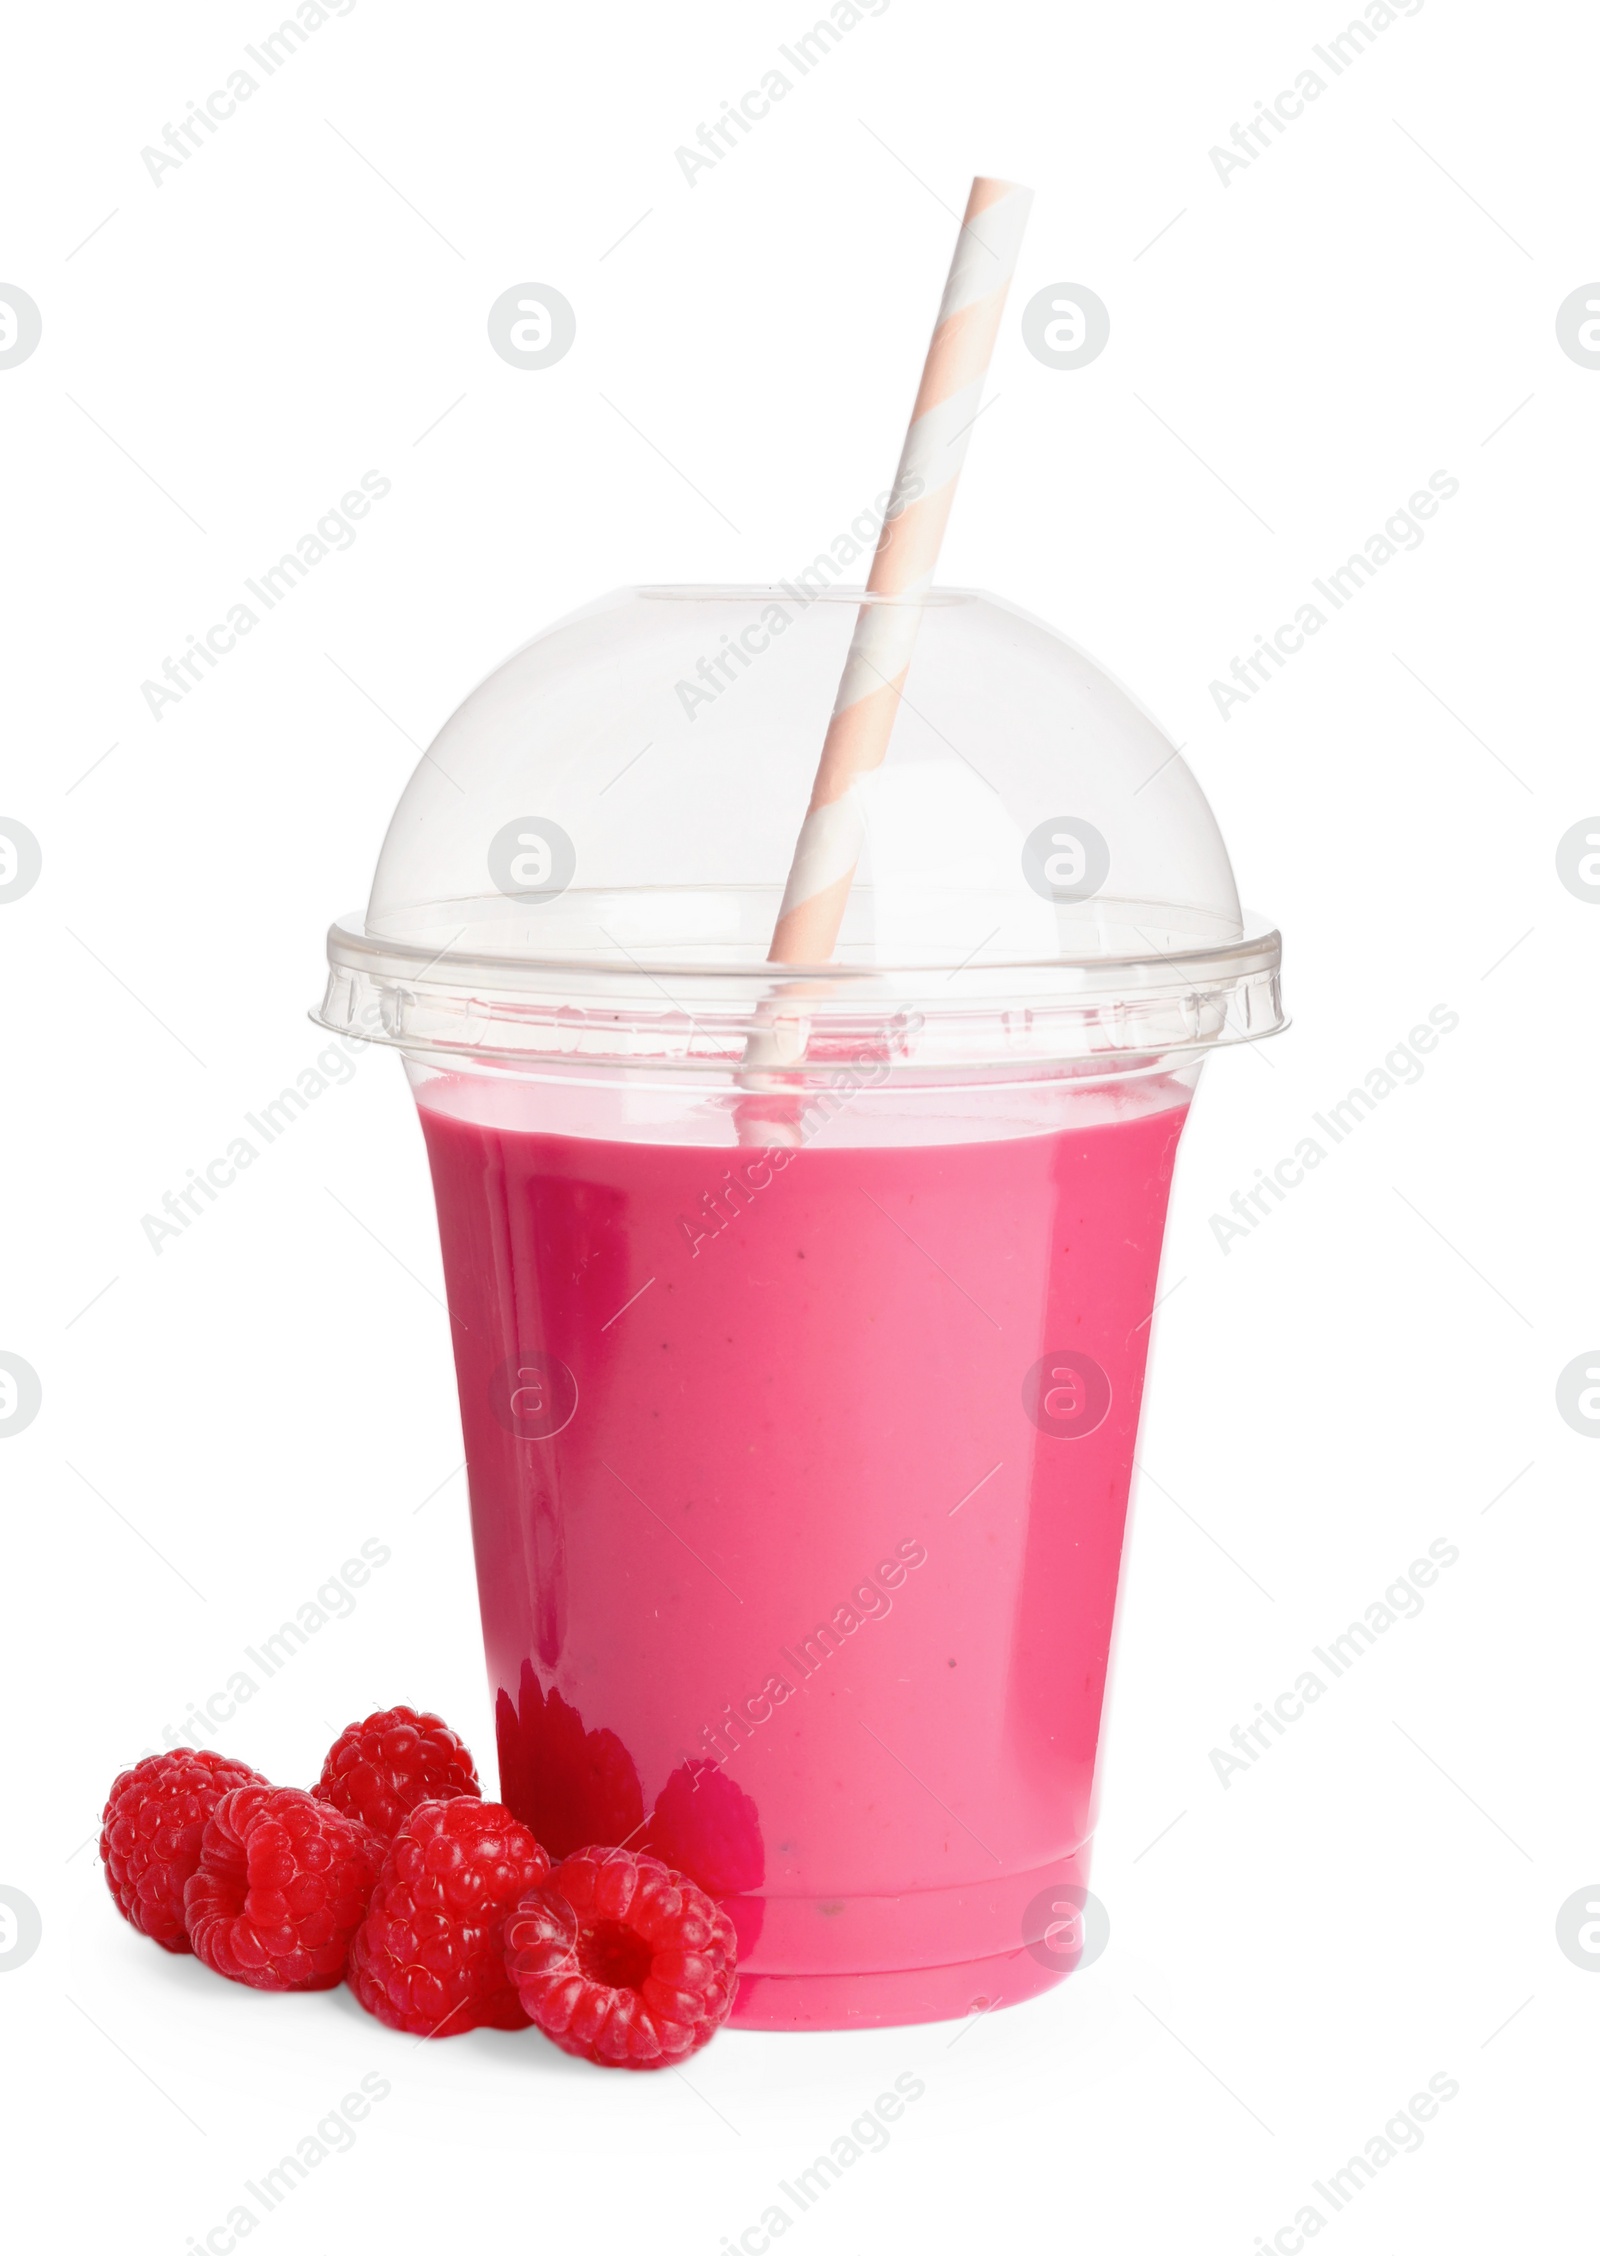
(568, 1785)
(379, 1770)
(430, 1955)
(621, 1961)
(282, 1885)
(150, 1834)
(707, 1827)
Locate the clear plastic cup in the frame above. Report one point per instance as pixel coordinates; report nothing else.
(801, 1311)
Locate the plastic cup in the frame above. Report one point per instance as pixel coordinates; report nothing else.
(800, 1397)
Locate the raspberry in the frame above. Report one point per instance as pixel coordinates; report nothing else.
(282, 1885)
(150, 1834)
(622, 1961)
(429, 1956)
(707, 1827)
(379, 1770)
(571, 1786)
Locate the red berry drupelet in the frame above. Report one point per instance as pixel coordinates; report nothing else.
(430, 1955)
(282, 1885)
(150, 1834)
(378, 1770)
(622, 1961)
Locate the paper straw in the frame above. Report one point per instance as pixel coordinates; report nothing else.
(868, 702)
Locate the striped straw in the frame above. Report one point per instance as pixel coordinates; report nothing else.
(868, 702)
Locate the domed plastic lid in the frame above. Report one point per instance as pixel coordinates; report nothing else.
(586, 867)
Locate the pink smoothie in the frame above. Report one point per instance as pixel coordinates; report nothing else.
(798, 1485)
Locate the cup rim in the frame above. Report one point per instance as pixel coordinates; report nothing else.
(707, 1023)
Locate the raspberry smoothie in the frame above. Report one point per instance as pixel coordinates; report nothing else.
(798, 1484)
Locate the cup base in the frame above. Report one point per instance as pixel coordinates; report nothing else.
(875, 1962)
(894, 2000)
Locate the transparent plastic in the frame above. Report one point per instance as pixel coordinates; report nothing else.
(800, 1312)
(587, 863)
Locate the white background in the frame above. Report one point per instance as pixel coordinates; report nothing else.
(1373, 1368)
